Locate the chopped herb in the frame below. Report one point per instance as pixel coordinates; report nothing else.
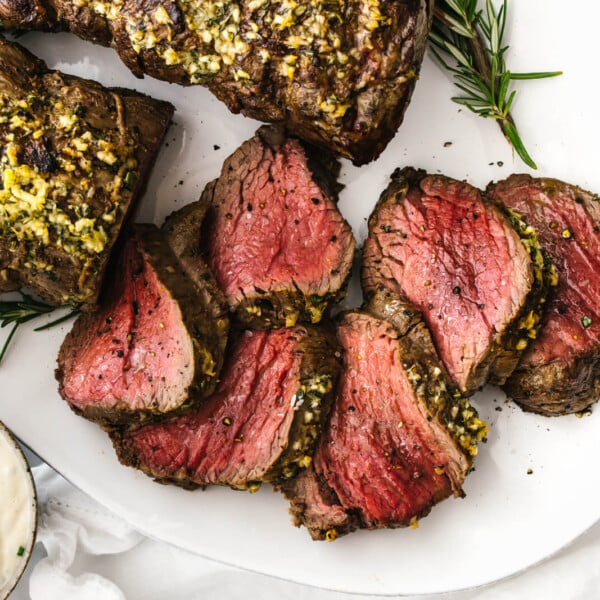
(586, 322)
(130, 179)
(20, 551)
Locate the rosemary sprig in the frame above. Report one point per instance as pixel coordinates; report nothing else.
(473, 39)
(17, 312)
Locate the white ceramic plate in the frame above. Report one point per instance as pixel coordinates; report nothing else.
(510, 519)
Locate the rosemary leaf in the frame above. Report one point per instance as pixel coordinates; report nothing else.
(473, 38)
(536, 75)
(17, 312)
(58, 321)
(8, 340)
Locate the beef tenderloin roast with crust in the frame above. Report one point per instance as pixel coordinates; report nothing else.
(260, 425)
(560, 371)
(337, 74)
(154, 346)
(398, 441)
(474, 272)
(273, 235)
(75, 159)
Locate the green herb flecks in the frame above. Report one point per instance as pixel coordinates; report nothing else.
(473, 39)
(20, 551)
(17, 312)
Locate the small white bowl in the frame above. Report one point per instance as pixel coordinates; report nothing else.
(18, 512)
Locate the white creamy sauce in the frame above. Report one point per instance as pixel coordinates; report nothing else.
(17, 512)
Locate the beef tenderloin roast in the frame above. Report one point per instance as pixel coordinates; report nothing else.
(399, 439)
(560, 370)
(75, 159)
(337, 74)
(475, 274)
(273, 236)
(153, 346)
(260, 425)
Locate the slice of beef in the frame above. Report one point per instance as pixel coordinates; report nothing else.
(475, 274)
(152, 347)
(275, 240)
(399, 439)
(315, 505)
(261, 424)
(560, 371)
(182, 231)
(75, 158)
(337, 74)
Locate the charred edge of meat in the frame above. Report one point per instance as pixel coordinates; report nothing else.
(428, 376)
(305, 491)
(313, 402)
(130, 458)
(567, 387)
(320, 371)
(183, 232)
(279, 308)
(506, 351)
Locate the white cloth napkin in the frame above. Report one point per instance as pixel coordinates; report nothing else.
(84, 552)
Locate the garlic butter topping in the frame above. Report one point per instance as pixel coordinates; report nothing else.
(220, 34)
(61, 181)
(17, 512)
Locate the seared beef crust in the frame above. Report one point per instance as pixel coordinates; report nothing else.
(339, 75)
(75, 158)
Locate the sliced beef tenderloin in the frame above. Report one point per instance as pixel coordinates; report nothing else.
(560, 371)
(274, 238)
(182, 231)
(398, 441)
(475, 273)
(260, 425)
(152, 347)
(315, 505)
(75, 158)
(338, 74)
